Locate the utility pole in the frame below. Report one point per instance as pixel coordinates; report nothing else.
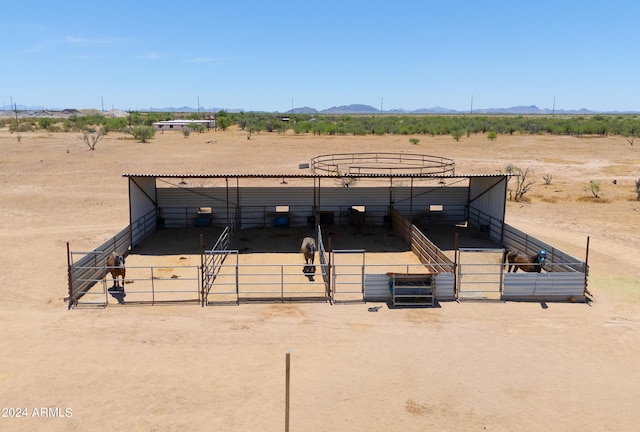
(471, 112)
(381, 101)
(553, 111)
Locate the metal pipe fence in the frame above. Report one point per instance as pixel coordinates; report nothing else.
(237, 283)
(153, 285)
(382, 163)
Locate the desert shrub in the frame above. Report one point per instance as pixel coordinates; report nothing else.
(115, 124)
(142, 133)
(414, 141)
(492, 135)
(45, 122)
(595, 188)
(21, 127)
(547, 179)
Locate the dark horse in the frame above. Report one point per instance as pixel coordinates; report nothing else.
(528, 263)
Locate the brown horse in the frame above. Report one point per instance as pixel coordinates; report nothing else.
(528, 263)
(115, 266)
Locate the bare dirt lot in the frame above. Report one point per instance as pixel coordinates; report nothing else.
(463, 366)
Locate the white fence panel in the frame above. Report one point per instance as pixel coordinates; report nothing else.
(445, 286)
(376, 287)
(544, 286)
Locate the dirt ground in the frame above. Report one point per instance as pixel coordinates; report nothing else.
(463, 366)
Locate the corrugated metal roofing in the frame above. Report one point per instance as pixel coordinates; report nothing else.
(220, 176)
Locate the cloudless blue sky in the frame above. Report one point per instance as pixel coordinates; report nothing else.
(270, 55)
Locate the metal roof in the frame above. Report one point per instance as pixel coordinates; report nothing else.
(221, 176)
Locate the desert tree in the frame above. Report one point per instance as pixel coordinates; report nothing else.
(223, 122)
(638, 188)
(91, 137)
(523, 182)
(547, 179)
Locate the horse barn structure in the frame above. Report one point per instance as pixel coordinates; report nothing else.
(398, 228)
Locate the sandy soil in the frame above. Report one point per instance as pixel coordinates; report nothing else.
(464, 366)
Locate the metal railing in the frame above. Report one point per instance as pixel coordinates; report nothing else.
(237, 283)
(344, 164)
(143, 285)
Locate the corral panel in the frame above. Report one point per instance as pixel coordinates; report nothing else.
(445, 286)
(544, 286)
(376, 287)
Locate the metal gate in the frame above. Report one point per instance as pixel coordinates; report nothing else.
(348, 275)
(219, 277)
(479, 274)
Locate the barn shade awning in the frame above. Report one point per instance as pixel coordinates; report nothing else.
(332, 176)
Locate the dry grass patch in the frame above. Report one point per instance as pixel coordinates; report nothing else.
(622, 169)
(563, 162)
(551, 199)
(594, 200)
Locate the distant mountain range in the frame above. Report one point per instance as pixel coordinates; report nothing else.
(367, 109)
(363, 109)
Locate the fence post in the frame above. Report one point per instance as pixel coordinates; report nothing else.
(332, 284)
(202, 270)
(69, 277)
(153, 289)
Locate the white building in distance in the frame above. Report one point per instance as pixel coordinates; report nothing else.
(183, 124)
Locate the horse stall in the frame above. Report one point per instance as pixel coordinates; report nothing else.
(159, 268)
(87, 271)
(563, 277)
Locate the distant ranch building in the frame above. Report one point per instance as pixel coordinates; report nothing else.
(182, 124)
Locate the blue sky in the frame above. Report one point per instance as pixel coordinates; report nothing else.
(259, 55)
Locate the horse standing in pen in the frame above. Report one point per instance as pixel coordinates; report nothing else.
(308, 249)
(528, 263)
(115, 266)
